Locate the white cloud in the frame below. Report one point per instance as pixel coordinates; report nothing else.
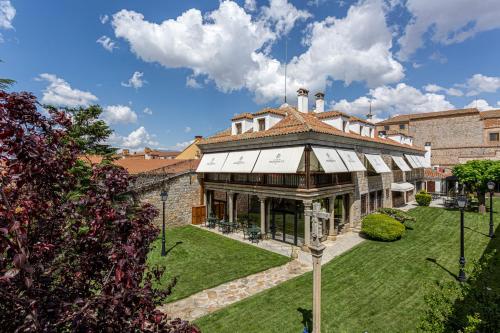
(138, 138)
(390, 101)
(283, 15)
(107, 43)
(447, 22)
(7, 14)
(480, 83)
(136, 81)
(498, 103)
(187, 129)
(480, 104)
(147, 111)
(119, 114)
(250, 5)
(60, 93)
(229, 47)
(192, 83)
(104, 18)
(182, 145)
(433, 88)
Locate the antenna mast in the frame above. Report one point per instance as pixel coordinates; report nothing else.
(286, 61)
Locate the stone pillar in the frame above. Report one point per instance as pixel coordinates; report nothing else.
(307, 223)
(317, 254)
(263, 216)
(332, 232)
(349, 207)
(230, 206)
(235, 209)
(205, 200)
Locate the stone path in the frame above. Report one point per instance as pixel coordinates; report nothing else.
(210, 300)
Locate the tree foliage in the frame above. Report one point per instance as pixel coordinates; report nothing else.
(72, 253)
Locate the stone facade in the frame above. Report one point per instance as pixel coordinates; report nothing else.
(183, 194)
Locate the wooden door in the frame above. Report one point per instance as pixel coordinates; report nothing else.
(431, 186)
(198, 214)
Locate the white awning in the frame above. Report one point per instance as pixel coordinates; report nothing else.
(424, 162)
(240, 161)
(329, 160)
(351, 160)
(418, 161)
(280, 160)
(414, 164)
(212, 162)
(400, 162)
(402, 187)
(377, 163)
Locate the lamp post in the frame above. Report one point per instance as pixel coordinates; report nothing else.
(491, 187)
(462, 202)
(164, 197)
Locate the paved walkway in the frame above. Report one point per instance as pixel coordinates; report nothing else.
(210, 300)
(413, 204)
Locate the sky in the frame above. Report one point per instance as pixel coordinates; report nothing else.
(165, 71)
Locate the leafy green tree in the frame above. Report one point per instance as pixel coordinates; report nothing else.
(88, 131)
(476, 174)
(5, 83)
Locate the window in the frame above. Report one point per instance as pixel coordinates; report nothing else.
(427, 144)
(238, 128)
(402, 126)
(370, 171)
(494, 136)
(361, 130)
(387, 127)
(262, 124)
(344, 125)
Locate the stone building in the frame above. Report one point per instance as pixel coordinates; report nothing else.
(270, 166)
(450, 137)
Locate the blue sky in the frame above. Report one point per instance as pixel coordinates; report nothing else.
(165, 71)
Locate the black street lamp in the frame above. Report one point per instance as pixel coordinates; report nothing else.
(462, 202)
(164, 197)
(491, 187)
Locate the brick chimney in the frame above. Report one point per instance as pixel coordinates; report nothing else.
(302, 100)
(320, 102)
(198, 137)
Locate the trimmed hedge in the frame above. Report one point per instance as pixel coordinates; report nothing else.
(382, 227)
(397, 214)
(423, 198)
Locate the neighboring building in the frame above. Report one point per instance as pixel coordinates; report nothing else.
(270, 166)
(450, 137)
(191, 152)
(149, 154)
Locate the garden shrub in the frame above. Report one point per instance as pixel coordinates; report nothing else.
(382, 227)
(397, 214)
(423, 198)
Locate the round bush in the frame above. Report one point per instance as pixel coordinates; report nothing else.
(382, 227)
(423, 198)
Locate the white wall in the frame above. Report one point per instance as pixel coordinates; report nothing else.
(246, 125)
(271, 120)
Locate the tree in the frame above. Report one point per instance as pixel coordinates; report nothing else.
(88, 131)
(6, 83)
(72, 257)
(475, 175)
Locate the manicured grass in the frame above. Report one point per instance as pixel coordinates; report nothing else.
(375, 287)
(201, 259)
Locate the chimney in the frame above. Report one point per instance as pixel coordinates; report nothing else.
(198, 137)
(302, 102)
(320, 102)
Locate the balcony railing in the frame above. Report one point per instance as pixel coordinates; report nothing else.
(298, 180)
(415, 174)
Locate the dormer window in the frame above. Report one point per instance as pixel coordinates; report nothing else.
(361, 130)
(262, 124)
(239, 129)
(344, 125)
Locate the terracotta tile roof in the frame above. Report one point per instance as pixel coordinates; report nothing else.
(430, 173)
(245, 115)
(491, 123)
(297, 122)
(418, 116)
(490, 114)
(135, 166)
(361, 120)
(279, 111)
(330, 114)
(92, 159)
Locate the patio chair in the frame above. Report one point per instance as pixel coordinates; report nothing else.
(244, 228)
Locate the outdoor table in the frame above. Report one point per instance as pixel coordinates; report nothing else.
(254, 233)
(212, 221)
(225, 226)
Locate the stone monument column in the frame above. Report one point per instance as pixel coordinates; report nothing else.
(307, 223)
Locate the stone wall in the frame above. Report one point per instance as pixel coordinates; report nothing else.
(452, 156)
(183, 194)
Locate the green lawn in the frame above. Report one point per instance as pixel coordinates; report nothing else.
(201, 259)
(375, 287)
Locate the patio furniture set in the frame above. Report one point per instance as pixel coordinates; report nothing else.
(250, 231)
(451, 203)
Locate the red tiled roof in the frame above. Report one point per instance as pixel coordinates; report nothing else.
(245, 115)
(430, 173)
(279, 111)
(297, 122)
(490, 114)
(330, 114)
(437, 114)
